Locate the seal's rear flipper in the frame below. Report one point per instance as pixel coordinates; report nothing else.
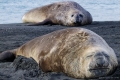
(7, 56)
(45, 22)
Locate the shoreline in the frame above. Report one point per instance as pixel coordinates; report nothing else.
(14, 35)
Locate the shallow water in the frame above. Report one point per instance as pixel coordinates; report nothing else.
(11, 11)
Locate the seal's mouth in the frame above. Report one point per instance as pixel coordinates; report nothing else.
(104, 68)
(77, 23)
(97, 72)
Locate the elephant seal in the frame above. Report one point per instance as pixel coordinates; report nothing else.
(78, 52)
(66, 13)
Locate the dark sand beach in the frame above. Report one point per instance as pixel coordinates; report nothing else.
(14, 35)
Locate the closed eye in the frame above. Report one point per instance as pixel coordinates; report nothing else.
(89, 56)
(72, 15)
(106, 55)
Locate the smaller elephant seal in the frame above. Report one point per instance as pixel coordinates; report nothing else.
(66, 13)
(78, 52)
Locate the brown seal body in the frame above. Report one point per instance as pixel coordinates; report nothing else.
(78, 52)
(66, 13)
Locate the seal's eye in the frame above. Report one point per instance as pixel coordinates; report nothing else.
(72, 15)
(89, 56)
(80, 15)
(106, 55)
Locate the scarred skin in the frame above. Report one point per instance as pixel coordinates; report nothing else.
(66, 13)
(78, 52)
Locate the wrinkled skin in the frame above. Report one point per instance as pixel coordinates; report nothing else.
(66, 13)
(78, 52)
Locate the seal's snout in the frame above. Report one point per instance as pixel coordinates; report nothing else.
(100, 64)
(79, 18)
(101, 60)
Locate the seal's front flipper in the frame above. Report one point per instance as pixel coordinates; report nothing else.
(45, 22)
(7, 56)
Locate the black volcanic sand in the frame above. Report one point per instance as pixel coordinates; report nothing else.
(14, 35)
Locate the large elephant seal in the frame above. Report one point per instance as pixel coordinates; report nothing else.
(66, 13)
(78, 52)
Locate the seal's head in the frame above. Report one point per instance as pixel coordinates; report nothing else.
(88, 56)
(74, 18)
(98, 63)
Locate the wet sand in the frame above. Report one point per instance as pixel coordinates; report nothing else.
(14, 35)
